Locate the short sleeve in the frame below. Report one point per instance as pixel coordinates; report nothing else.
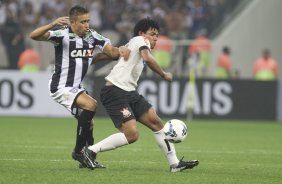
(55, 36)
(142, 43)
(100, 40)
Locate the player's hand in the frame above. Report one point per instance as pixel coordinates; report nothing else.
(61, 21)
(124, 52)
(168, 76)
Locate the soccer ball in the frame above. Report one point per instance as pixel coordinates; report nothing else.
(175, 131)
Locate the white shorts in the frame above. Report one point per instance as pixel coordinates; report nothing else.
(66, 97)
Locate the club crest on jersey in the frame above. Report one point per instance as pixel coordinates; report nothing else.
(82, 53)
(89, 39)
(125, 112)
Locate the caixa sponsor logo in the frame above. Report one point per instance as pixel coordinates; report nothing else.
(82, 53)
(16, 94)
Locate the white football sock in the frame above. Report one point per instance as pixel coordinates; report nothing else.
(112, 142)
(167, 148)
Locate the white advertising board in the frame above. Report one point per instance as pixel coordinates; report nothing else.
(27, 94)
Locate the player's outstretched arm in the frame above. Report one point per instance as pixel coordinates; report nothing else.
(154, 65)
(115, 52)
(100, 57)
(42, 34)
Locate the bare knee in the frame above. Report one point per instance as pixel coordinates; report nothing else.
(130, 130)
(86, 102)
(131, 136)
(91, 106)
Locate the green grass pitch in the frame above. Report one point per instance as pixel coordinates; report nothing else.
(38, 151)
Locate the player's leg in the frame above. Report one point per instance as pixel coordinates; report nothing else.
(116, 102)
(86, 108)
(89, 135)
(127, 135)
(153, 122)
(127, 126)
(89, 141)
(83, 107)
(84, 130)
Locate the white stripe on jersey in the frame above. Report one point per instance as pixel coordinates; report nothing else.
(65, 63)
(78, 68)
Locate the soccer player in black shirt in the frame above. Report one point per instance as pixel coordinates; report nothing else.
(74, 44)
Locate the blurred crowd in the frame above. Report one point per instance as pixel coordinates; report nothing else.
(178, 19)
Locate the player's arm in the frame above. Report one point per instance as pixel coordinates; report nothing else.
(42, 34)
(116, 52)
(154, 65)
(100, 57)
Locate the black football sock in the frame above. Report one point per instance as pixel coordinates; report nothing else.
(83, 126)
(89, 137)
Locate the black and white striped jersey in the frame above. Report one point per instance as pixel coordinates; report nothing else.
(73, 55)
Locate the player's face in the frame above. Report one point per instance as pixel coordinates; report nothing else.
(152, 35)
(80, 24)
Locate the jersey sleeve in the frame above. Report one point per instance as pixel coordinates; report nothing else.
(55, 37)
(100, 40)
(142, 43)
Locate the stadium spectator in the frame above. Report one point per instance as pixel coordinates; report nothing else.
(95, 8)
(124, 35)
(224, 64)
(199, 53)
(48, 14)
(188, 21)
(29, 60)
(74, 45)
(163, 50)
(12, 34)
(126, 106)
(198, 12)
(265, 67)
(28, 16)
(183, 18)
(175, 25)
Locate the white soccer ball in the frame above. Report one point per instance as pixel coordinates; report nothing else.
(175, 131)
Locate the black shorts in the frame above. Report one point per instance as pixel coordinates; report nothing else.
(123, 105)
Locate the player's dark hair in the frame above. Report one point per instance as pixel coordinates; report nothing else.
(144, 25)
(76, 11)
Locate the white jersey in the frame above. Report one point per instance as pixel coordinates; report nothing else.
(125, 74)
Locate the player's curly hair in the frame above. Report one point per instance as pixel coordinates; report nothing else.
(76, 11)
(144, 25)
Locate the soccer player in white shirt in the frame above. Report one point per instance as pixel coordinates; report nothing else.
(126, 106)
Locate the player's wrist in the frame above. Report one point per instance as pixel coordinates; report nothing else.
(52, 25)
(120, 50)
(163, 75)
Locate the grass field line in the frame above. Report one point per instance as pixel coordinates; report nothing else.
(179, 148)
(111, 161)
(23, 159)
(70, 160)
(35, 147)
